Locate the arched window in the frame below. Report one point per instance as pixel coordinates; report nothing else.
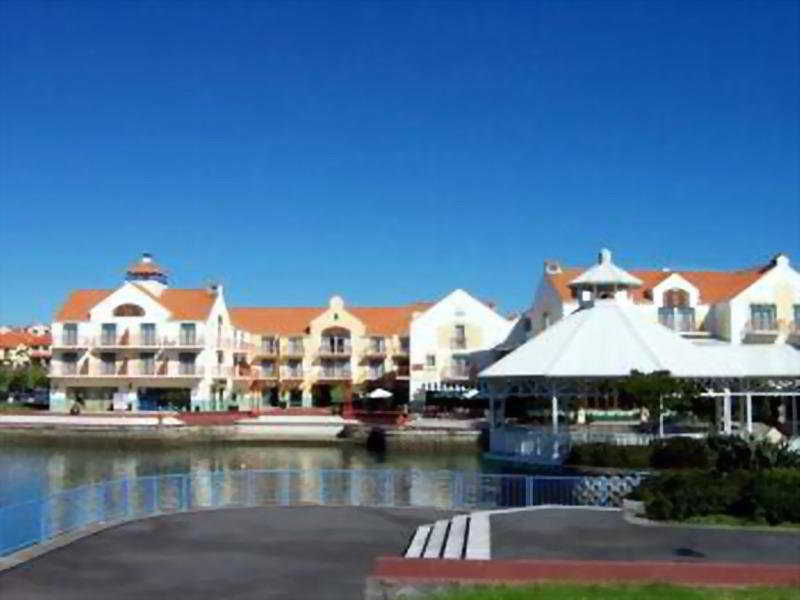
(128, 310)
(675, 298)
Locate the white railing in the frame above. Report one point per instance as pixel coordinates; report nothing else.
(133, 369)
(289, 373)
(335, 373)
(71, 342)
(336, 350)
(762, 326)
(292, 349)
(374, 347)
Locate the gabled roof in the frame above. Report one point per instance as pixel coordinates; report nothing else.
(714, 286)
(610, 339)
(14, 339)
(378, 320)
(79, 303)
(275, 320)
(183, 304)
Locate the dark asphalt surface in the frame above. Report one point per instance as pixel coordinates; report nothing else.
(294, 553)
(603, 535)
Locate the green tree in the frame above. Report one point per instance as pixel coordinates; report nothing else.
(659, 392)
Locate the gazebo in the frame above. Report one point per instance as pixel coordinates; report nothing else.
(604, 341)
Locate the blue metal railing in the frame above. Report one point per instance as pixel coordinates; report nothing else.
(36, 521)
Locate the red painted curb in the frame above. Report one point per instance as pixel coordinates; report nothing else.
(530, 571)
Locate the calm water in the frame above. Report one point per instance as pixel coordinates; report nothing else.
(27, 472)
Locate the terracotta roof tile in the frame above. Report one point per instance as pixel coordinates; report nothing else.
(14, 339)
(378, 320)
(714, 286)
(146, 268)
(274, 319)
(79, 303)
(184, 304)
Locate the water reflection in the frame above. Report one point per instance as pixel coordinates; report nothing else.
(30, 471)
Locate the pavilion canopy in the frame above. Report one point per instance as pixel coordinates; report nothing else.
(610, 338)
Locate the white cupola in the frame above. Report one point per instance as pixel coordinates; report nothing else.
(605, 280)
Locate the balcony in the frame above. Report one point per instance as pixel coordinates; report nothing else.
(145, 341)
(372, 373)
(458, 343)
(334, 350)
(123, 370)
(679, 319)
(290, 374)
(402, 372)
(71, 341)
(267, 350)
(761, 330)
(335, 373)
(455, 373)
(375, 349)
(292, 350)
(401, 349)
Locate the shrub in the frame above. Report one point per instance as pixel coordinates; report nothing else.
(773, 496)
(734, 453)
(681, 453)
(609, 455)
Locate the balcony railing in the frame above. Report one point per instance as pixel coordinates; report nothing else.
(455, 372)
(121, 370)
(335, 373)
(794, 328)
(69, 341)
(458, 343)
(290, 373)
(335, 350)
(374, 348)
(373, 373)
(292, 349)
(677, 318)
(762, 327)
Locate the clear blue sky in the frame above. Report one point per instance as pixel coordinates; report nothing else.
(390, 151)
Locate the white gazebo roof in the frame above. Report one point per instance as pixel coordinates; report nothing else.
(605, 272)
(609, 339)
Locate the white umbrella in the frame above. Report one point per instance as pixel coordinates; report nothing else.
(379, 393)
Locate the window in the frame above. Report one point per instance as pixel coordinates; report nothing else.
(188, 334)
(70, 360)
(70, 334)
(405, 344)
(268, 368)
(376, 370)
(186, 363)
(148, 333)
(148, 363)
(268, 344)
(430, 360)
(459, 341)
(460, 366)
(220, 357)
(295, 368)
(677, 318)
(128, 310)
(676, 297)
(295, 345)
(376, 345)
(108, 361)
(108, 334)
(796, 308)
(763, 317)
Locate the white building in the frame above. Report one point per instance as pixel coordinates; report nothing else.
(141, 346)
(757, 305)
(454, 339)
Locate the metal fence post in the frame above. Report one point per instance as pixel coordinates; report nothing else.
(388, 488)
(355, 488)
(529, 490)
(251, 488)
(284, 491)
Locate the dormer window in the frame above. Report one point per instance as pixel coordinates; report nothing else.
(676, 312)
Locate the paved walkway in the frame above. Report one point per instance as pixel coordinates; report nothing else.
(579, 534)
(263, 553)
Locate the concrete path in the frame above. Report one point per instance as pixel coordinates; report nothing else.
(259, 553)
(583, 534)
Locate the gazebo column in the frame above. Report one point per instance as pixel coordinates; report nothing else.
(748, 401)
(727, 425)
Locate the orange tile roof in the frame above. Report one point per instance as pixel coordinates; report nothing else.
(275, 320)
(79, 303)
(14, 339)
(714, 286)
(378, 320)
(146, 268)
(184, 304)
